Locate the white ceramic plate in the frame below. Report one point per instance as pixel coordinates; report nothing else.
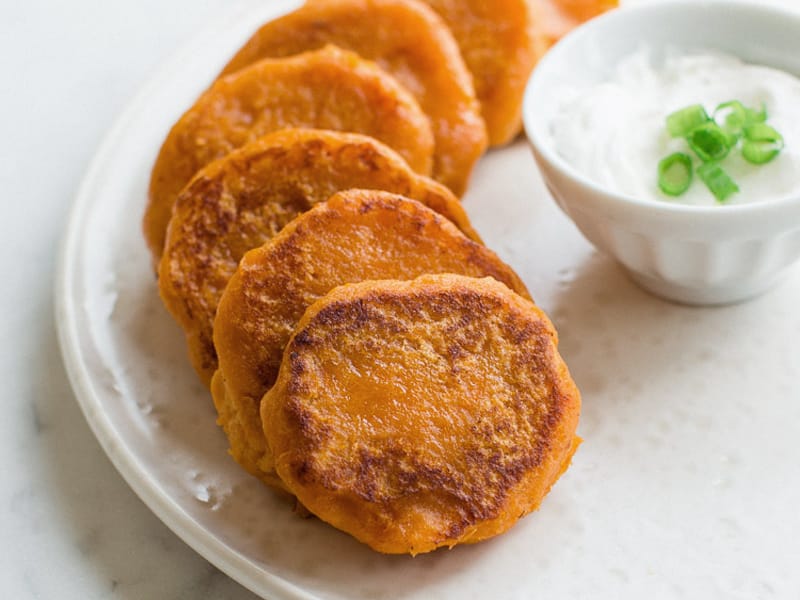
(685, 484)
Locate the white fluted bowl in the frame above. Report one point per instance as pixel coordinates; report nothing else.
(690, 254)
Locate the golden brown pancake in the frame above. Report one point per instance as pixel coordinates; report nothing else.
(244, 199)
(420, 414)
(411, 42)
(356, 235)
(498, 45)
(553, 19)
(328, 89)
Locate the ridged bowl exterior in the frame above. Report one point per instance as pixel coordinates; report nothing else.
(688, 254)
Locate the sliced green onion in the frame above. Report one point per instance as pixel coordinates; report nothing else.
(731, 117)
(675, 174)
(734, 113)
(717, 180)
(682, 121)
(709, 142)
(761, 132)
(762, 143)
(759, 153)
(712, 139)
(753, 116)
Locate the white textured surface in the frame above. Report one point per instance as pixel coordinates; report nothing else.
(686, 484)
(70, 527)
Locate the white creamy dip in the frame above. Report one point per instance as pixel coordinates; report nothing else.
(615, 133)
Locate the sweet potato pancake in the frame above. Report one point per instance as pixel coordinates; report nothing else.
(554, 19)
(245, 198)
(328, 89)
(497, 42)
(354, 236)
(411, 42)
(421, 414)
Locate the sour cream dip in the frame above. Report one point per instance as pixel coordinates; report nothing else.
(614, 133)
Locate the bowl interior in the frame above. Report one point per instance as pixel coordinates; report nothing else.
(589, 54)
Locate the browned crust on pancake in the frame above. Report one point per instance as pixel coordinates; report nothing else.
(411, 42)
(415, 415)
(241, 201)
(356, 235)
(498, 44)
(328, 89)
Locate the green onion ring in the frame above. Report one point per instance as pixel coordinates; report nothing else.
(731, 116)
(761, 132)
(675, 174)
(709, 142)
(734, 113)
(717, 180)
(682, 121)
(761, 143)
(754, 116)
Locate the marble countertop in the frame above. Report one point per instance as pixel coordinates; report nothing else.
(70, 525)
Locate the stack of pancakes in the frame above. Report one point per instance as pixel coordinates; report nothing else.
(365, 351)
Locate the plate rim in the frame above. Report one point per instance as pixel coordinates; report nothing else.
(73, 339)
